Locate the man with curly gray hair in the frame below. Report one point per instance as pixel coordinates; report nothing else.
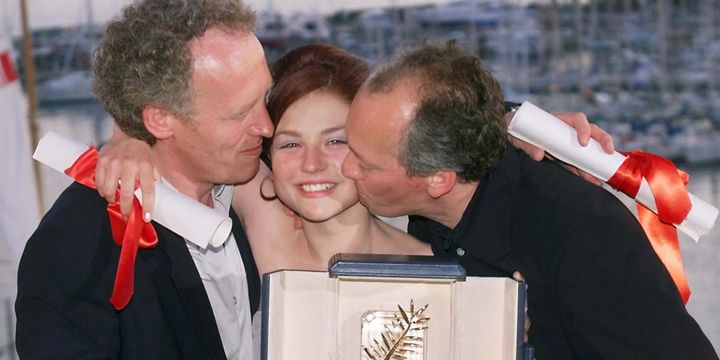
(188, 77)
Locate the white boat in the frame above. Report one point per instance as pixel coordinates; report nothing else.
(487, 13)
(701, 142)
(308, 27)
(272, 30)
(74, 86)
(703, 149)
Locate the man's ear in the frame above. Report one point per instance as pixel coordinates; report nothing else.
(440, 183)
(158, 122)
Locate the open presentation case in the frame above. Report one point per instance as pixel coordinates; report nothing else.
(391, 307)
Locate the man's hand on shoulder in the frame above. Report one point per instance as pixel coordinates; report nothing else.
(585, 131)
(125, 160)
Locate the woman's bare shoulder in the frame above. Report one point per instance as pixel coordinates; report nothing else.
(399, 242)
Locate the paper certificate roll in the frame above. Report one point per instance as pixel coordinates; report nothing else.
(179, 213)
(544, 130)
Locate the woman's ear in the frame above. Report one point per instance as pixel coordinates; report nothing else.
(158, 122)
(440, 183)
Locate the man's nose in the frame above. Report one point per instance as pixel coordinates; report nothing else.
(350, 167)
(262, 125)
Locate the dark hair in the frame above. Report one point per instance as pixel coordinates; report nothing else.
(143, 57)
(458, 123)
(309, 68)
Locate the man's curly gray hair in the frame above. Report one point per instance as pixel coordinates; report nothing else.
(143, 58)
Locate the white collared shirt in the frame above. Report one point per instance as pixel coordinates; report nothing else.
(222, 272)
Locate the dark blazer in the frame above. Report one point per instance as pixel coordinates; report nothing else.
(596, 288)
(66, 276)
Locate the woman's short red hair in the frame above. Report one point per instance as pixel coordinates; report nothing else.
(312, 67)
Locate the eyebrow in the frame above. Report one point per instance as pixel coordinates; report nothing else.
(286, 133)
(295, 133)
(239, 113)
(332, 130)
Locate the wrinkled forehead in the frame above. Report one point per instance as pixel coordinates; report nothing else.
(376, 124)
(362, 116)
(219, 50)
(229, 63)
(383, 112)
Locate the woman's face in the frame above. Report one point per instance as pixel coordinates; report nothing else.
(307, 153)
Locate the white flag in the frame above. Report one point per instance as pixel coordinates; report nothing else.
(19, 212)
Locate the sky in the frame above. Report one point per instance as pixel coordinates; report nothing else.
(47, 13)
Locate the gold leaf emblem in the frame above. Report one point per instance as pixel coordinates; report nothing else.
(398, 335)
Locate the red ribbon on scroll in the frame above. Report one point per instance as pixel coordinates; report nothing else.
(672, 200)
(129, 234)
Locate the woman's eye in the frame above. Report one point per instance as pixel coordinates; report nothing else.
(337, 142)
(289, 145)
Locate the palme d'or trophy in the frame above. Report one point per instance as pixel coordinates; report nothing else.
(391, 307)
(394, 334)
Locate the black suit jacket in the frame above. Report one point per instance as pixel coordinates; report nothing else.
(596, 288)
(66, 276)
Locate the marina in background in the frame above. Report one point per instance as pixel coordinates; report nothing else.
(646, 71)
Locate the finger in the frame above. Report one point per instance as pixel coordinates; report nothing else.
(147, 186)
(518, 277)
(127, 189)
(589, 178)
(582, 126)
(297, 223)
(507, 118)
(289, 212)
(110, 182)
(527, 326)
(573, 170)
(583, 175)
(537, 154)
(578, 121)
(534, 152)
(603, 137)
(100, 176)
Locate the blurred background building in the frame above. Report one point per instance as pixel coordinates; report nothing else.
(648, 71)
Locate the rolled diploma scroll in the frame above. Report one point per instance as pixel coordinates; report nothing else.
(540, 128)
(179, 213)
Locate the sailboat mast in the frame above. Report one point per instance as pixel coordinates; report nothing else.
(662, 25)
(709, 33)
(31, 95)
(556, 47)
(90, 15)
(579, 33)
